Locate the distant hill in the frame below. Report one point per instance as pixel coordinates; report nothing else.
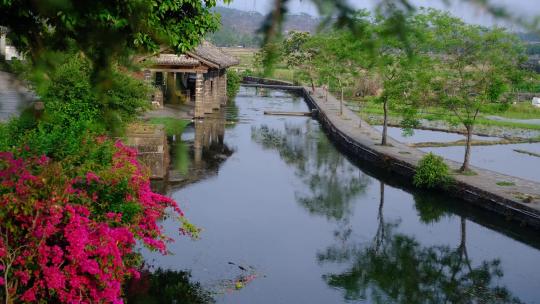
(239, 27)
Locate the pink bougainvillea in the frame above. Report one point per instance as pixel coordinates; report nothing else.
(71, 239)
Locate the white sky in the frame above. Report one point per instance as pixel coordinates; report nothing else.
(524, 8)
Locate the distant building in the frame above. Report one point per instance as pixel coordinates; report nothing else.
(7, 51)
(536, 102)
(197, 77)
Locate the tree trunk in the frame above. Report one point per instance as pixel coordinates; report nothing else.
(312, 85)
(465, 165)
(385, 123)
(341, 103)
(326, 89)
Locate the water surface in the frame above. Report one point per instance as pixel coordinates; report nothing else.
(296, 221)
(419, 135)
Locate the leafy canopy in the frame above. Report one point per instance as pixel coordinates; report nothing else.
(105, 30)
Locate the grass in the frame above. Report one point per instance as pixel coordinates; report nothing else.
(505, 184)
(522, 110)
(467, 172)
(432, 114)
(245, 55)
(173, 126)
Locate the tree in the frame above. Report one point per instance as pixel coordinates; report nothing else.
(267, 57)
(401, 64)
(476, 67)
(338, 59)
(105, 30)
(342, 14)
(299, 56)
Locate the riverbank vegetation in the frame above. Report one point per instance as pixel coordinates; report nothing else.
(75, 203)
(440, 68)
(173, 126)
(432, 172)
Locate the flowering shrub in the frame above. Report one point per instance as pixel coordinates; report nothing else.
(67, 235)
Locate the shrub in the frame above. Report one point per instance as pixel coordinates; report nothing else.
(68, 235)
(233, 83)
(432, 172)
(70, 96)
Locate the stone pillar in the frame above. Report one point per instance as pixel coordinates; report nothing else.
(207, 99)
(147, 74)
(171, 88)
(215, 90)
(199, 96)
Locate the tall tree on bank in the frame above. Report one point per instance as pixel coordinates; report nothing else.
(476, 68)
(337, 60)
(401, 64)
(299, 56)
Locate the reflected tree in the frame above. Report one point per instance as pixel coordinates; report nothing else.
(429, 210)
(332, 182)
(395, 268)
(164, 287)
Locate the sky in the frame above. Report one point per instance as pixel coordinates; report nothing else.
(522, 8)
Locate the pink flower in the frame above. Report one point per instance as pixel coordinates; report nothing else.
(29, 295)
(91, 177)
(77, 251)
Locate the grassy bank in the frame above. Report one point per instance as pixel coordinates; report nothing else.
(173, 126)
(520, 111)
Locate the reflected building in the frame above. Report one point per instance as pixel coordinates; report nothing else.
(209, 135)
(201, 155)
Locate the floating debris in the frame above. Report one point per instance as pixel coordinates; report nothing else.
(240, 281)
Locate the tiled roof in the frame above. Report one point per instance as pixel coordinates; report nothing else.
(172, 59)
(206, 53)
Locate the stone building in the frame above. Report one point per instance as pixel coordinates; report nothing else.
(197, 77)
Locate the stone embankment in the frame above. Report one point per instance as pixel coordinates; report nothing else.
(515, 198)
(151, 144)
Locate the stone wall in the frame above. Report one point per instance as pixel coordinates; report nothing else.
(151, 144)
(222, 87)
(258, 80)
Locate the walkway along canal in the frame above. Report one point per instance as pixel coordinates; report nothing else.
(520, 200)
(287, 218)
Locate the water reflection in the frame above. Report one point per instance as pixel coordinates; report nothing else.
(208, 139)
(167, 287)
(396, 268)
(319, 229)
(198, 153)
(393, 267)
(332, 182)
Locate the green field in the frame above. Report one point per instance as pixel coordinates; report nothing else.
(246, 57)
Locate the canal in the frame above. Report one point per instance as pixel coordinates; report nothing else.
(287, 218)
